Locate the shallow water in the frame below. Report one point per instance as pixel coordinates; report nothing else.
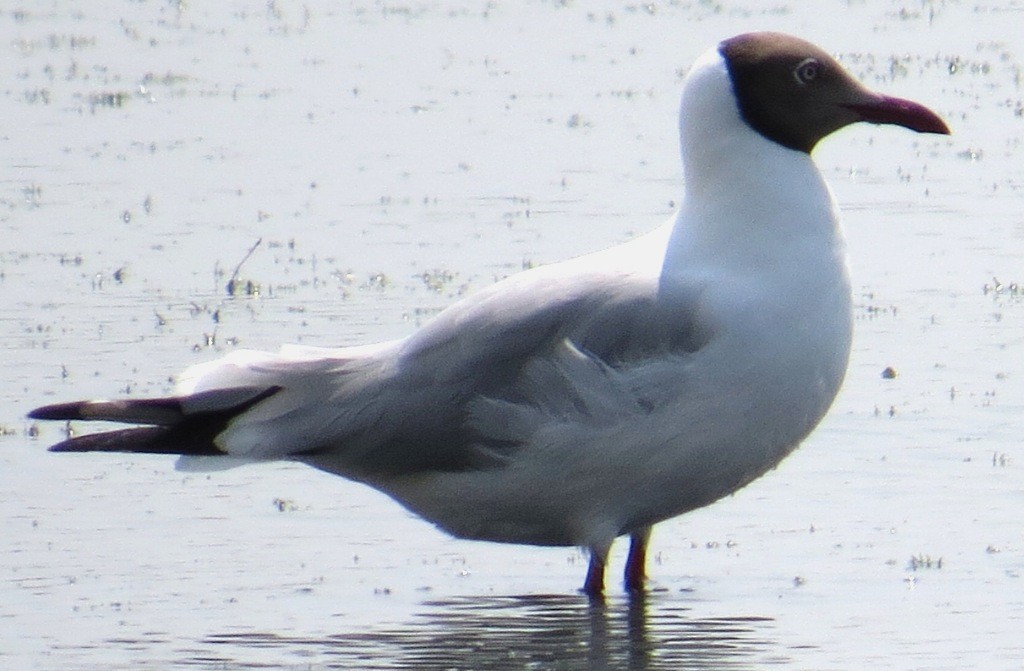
(381, 159)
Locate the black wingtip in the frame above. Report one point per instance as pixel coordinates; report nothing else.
(177, 425)
(168, 411)
(122, 440)
(58, 411)
(145, 440)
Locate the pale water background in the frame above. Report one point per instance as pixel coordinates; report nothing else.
(392, 156)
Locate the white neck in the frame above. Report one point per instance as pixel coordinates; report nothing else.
(748, 201)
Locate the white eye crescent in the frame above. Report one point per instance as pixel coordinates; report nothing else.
(806, 71)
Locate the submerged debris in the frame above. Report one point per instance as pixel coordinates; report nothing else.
(997, 288)
(111, 99)
(1000, 460)
(244, 288)
(436, 280)
(236, 286)
(921, 561)
(285, 505)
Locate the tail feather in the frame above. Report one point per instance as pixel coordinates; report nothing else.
(179, 425)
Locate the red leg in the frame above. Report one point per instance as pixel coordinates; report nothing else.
(593, 586)
(637, 559)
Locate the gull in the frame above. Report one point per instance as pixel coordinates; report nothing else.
(574, 403)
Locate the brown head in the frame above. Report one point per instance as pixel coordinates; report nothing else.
(794, 93)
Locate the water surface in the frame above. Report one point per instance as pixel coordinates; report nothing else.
(356, 168)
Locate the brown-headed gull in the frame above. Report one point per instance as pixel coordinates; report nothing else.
(582, 401)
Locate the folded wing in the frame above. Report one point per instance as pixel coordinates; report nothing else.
(463, 393)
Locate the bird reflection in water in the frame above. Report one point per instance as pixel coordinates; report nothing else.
(529, 632)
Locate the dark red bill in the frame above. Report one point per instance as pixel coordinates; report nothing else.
(888, 110)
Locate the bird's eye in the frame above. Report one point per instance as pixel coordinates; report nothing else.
(806, 71)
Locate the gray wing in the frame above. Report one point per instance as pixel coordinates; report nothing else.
(465, 385)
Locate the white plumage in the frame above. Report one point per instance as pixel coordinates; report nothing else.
(578, 402)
